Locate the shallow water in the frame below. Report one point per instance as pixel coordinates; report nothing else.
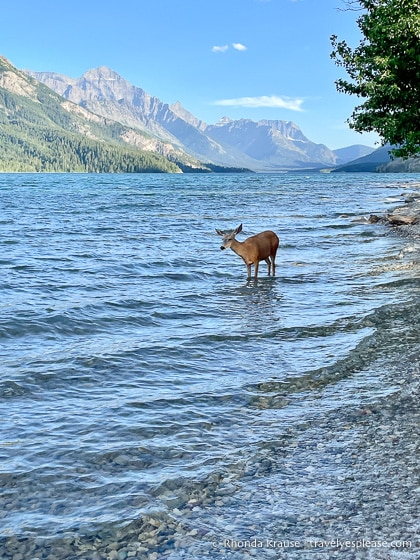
(138, 363)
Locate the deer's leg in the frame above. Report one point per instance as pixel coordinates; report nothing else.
(273, 262)
(269, 265)
(248, 268)
(256, 263)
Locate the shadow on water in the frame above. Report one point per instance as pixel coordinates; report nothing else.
(253, 307)
(259, 290)
(262, 282)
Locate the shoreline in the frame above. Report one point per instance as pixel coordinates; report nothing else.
(391, 428)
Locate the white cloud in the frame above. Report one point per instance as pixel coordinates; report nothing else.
(224, 48)
(273, 101)
(220, 48)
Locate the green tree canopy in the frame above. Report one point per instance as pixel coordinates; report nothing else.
(384, 69)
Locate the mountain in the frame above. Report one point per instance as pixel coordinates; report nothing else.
(262, 146)
(368, 163)
(104, 92)
(380, 161)
(344, 155)
(42, 131)
(274, 144)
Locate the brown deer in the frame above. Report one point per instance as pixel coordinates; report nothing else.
(260, 247)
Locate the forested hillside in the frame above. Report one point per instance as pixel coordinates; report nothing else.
(38, 136)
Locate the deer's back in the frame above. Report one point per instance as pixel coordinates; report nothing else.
(263, 244)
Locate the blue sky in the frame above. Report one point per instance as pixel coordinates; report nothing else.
(256, 59)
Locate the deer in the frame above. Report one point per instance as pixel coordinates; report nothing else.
(260, 247)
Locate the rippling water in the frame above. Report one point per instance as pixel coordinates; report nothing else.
(137, 361)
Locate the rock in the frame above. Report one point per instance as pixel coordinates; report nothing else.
(402, 220)
(122, 460)
(408, 215)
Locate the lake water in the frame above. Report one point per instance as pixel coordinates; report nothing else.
(140, 369)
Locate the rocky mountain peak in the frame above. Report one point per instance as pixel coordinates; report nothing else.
(223, 121)
(102, 72)
(4, 62)
(15, 80)
(274, 143)
(188, 117)
(103, 83)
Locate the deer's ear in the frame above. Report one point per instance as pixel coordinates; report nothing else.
(238, 229)
(219, 232)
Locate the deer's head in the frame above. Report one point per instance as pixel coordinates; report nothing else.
(228, 236)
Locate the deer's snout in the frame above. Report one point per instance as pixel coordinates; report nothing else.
(222, 248)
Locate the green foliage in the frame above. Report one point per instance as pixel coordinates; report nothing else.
(41, 136)
(385, 70)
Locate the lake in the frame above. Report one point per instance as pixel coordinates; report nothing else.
(143, 377)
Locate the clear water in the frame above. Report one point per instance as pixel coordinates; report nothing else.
(137, 361)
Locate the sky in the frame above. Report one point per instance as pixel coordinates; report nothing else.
(244, 59)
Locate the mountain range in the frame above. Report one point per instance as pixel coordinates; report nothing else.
(260, 146)
(102, 111)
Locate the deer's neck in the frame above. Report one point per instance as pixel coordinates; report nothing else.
(238, 248)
